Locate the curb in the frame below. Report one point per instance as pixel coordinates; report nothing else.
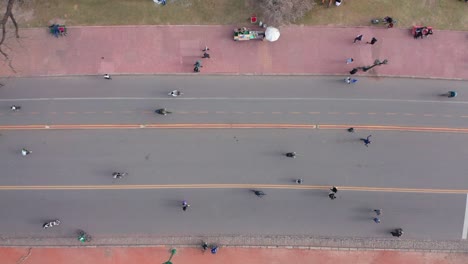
(276, 241)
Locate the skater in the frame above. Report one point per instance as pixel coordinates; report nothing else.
(372, 42)
(15, 108)
(376, 220)
(353, 71)
(206, 55)
(25, 152)
(185, 205)
(349, 80)
(366, 140)
(378, 211)
(351, 129)
(214, 249)
(107, 77)
(397, 232)
(358, 38)
(204, 246)
(258, 193)
(299, 181)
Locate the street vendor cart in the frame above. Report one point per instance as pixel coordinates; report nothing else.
(247, 34)
(271, 34)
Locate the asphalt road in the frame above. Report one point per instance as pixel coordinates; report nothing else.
(181, 159)
(319, 100)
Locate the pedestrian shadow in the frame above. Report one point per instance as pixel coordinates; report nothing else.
(317, 193)
(349, 140)
(365, 210)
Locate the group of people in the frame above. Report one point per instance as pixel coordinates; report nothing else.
(214, 248)
(421, 32)
(198, 63)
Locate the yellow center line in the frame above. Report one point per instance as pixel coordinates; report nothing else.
(231, 186)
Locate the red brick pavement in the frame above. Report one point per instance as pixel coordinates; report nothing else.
(151, 255)
(174, 49)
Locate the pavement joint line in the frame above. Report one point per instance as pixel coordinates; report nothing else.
(236, 126)
(223, 112)
(51, 75)
(237, 99)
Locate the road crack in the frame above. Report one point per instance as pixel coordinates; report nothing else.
(25, 257)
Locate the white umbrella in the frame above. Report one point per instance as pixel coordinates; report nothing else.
(272, 34)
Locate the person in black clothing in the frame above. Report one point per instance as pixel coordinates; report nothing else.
(366, 140)
(258, 193)
(397, 232)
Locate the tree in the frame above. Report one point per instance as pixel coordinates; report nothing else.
(280, 12)
(3, 22)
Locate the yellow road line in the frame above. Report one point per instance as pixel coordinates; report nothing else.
(230, 186)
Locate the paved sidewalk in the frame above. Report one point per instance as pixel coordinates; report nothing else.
(174, 49)
(147, 255)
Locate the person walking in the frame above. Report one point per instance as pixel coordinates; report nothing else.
(291, 154)
(206, 48)
(372, 42)
(107, 77)
(358, 38)
(351, 129)
(258, 193)
(299, 181)
(185, 205)
(198, 64)
(206, 56)
(349, 60)
(378, 211)
(366, 140)
(332, 194)
(376, 220)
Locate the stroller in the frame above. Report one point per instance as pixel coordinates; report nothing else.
(421, 31)
(58, 30)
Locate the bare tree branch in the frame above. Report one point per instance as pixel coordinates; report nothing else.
(3, 22)
(16, 25)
